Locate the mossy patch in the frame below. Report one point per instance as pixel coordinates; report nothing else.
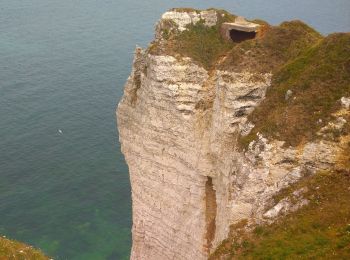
(320, 230)
(10, 249)
(317, 79)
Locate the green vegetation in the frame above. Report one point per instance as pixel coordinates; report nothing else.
(318, 78)
(10, 249)
(201, 43)
(204, 44)
(320, 230)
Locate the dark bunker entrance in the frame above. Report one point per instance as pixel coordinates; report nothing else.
(240, 36)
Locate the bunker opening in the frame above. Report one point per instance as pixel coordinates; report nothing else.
(240, 30)
(210, 212)
(240, 36)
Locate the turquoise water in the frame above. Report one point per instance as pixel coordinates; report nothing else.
(63, 64)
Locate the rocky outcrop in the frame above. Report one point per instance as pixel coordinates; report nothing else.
(179, 126)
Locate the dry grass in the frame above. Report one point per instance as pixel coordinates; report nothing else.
(318, 79)
(273, 47)
(14, 250)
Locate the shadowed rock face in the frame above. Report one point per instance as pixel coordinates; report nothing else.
(178, 125)
(210, 211)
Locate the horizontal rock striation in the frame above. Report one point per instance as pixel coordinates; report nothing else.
(179, 126)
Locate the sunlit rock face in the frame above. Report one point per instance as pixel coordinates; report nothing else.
(183, 18)
(178, 125)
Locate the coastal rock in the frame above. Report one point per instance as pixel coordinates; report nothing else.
(179, 126)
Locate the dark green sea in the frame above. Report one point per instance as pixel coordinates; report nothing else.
(63, 64)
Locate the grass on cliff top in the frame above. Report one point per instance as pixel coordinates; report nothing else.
(320, 230)
(10, 249)
(201, 43)
(318, 78)
(273, 47)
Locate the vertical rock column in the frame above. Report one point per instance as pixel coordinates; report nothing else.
(156, 119)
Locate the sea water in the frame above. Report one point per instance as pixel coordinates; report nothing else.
(64, 185)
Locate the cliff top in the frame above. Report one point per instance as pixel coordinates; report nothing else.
(198, 35)
(312, 68)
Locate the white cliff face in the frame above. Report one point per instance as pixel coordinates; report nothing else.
(157, 140)
(178, 126)
(182, 19)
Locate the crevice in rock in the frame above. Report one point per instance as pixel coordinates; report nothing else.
(139, 68)
(210, 212)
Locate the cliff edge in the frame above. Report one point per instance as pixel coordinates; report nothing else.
(217, 123)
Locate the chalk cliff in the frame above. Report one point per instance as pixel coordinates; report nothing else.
(198, 163)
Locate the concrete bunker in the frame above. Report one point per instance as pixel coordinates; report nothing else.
(240, 30)
(210, 212)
